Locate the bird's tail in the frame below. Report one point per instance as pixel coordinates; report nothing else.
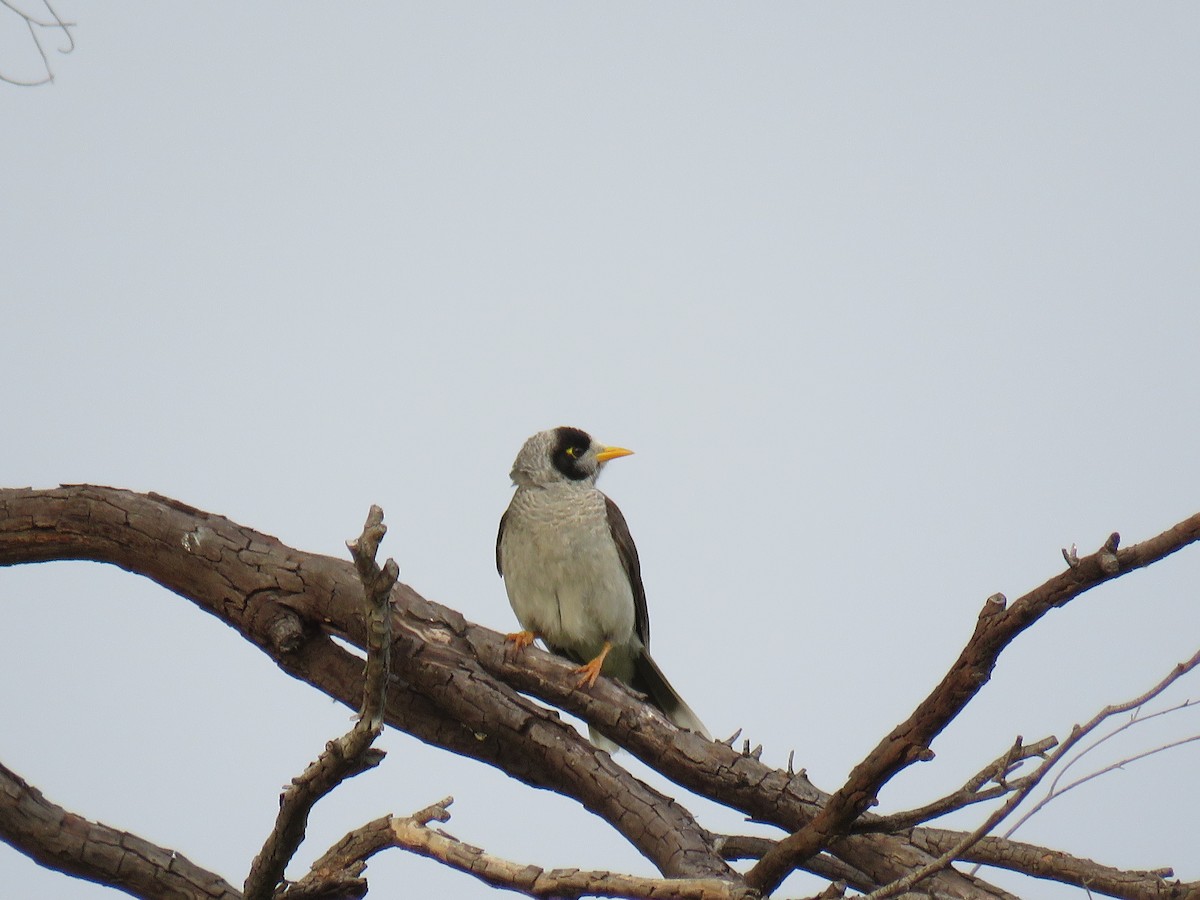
(650, 680)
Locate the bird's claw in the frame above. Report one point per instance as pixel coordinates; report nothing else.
(590, 672)
(521, 639)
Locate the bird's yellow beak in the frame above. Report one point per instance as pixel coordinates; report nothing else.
(608, 453)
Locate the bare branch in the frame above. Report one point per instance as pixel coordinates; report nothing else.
(456, 686)
(1031, 781)
(1053, 791)
(442, 694)
(970, 793)
(349, 856)
(1055, 865)
(711, 769)
(344, 862)
(413, 834)
(824, 865)
(377, 586)
(996, 628)
(350, 754)
(61, 840)
(35, 26)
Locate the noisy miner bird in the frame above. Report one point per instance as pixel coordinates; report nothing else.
(572, 572)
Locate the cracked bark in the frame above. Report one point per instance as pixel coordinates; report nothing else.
(94, 851)
(439, 693)
(455, 686)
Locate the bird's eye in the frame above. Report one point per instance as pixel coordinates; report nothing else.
(573, 452)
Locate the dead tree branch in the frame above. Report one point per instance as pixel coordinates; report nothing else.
(1056, 865)
(36, 26)
(909, 742)
(974, 791)
(352, 753)
(413, 834)
(69, 843)
(457, 687)
(341, 865)
(1078, 733)
(1054, 792)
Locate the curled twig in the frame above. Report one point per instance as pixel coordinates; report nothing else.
(36, 25)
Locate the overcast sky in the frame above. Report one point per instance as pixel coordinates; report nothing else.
(893, 301)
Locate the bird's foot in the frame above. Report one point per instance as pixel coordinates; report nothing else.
(521, 639)
(590, 672)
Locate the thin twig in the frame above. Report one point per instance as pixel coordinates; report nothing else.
(969, 794)
(377, 585)
(1053, 792)
(33, 24)
(998, 625)
(1077, 734)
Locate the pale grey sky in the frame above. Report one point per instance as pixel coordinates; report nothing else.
(892, 301)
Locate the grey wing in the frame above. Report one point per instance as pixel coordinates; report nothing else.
(499, 538)
(629, 560)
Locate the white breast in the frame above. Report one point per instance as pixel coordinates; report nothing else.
(564, 578)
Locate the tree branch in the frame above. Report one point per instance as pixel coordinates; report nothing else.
(413, 834)
(350, 754)
(741, 846)
(1078, 733)
(34, 23)
(65, 842)
(909, 742)
(1053, 791)
(288, 602)
(711, 769)
(341, 865)
(457, 688)
(969, 794)
(1056, 865)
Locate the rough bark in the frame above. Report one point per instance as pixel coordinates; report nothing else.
(65, 842)
(458, 686)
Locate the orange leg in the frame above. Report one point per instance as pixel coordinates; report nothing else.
(521, 639)
(589, 673)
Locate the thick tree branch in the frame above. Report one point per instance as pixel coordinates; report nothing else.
(440, 693)
(710, 769)
(65, 842)
(285, 601)
(1040, 862)
(454, 682)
